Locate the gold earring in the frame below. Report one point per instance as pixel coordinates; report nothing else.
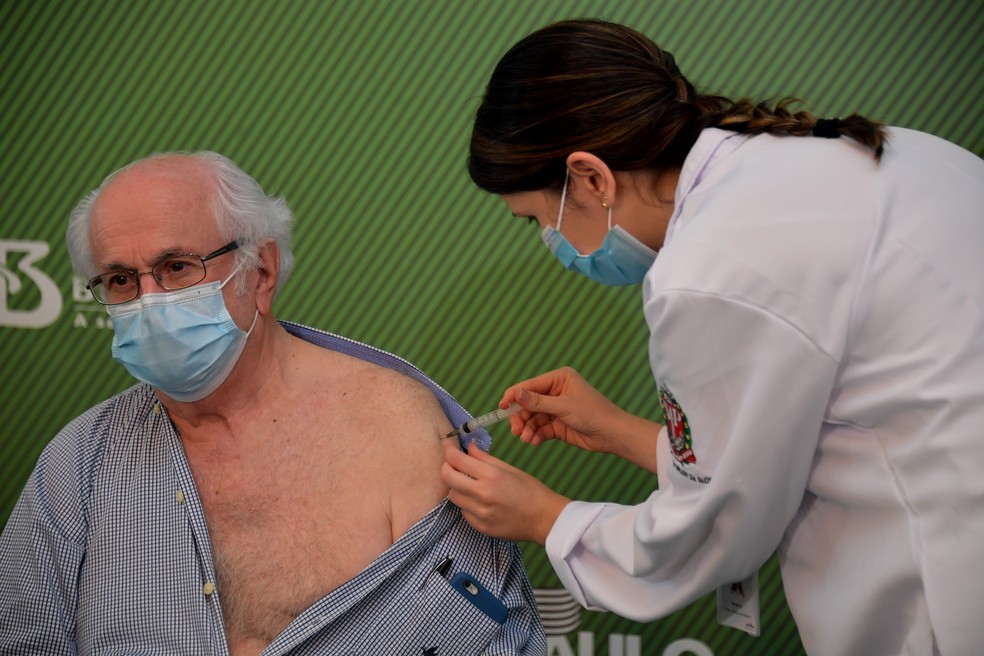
(604, 200)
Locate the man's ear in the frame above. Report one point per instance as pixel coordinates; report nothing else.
(592, 175)
(269, 274)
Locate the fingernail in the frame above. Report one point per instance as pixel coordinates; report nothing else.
(523, 396)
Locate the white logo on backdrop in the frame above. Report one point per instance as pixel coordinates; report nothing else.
(12, 283)
(561, 615)
(88, 313)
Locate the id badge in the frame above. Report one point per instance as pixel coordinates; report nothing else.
(738, 605)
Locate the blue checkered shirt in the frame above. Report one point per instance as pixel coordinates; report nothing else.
(107, 552)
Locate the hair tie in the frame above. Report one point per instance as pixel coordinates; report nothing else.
(827, 128)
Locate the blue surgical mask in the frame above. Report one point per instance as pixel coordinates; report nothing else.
(620, 260)
(183, 343)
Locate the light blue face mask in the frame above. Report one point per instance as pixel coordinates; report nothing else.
(183, 343)
(620, 260)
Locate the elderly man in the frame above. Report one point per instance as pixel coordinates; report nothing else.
(268, 488)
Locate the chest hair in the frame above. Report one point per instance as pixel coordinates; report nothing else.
(287, 528)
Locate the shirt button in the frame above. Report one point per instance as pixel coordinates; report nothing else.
(157, 408)
(181, 496)
(208, 588)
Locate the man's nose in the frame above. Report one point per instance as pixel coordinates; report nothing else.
(150, 285)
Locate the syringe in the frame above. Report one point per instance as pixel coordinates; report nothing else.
(484, 420)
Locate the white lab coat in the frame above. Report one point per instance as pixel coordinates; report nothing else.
(818, 320)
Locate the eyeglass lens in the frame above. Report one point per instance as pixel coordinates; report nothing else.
(172, 273)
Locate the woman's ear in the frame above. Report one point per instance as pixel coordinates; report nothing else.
(269, 274)
(593, 175)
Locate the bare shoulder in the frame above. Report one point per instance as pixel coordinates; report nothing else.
(398, 401)
(394, 424)
(408, 425)
(358, 388)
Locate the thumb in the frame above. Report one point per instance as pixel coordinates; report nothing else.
(535, 402)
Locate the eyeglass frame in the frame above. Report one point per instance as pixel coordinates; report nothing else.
(98, 280)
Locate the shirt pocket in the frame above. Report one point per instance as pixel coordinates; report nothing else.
(452, 621)
(438, 620)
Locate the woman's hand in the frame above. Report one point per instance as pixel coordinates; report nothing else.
(561, 405)
(496, 498)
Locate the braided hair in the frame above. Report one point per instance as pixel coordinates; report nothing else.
(607, 89)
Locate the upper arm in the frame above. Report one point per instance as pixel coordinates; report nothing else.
(39, 566)
(411, 426)
(751, 390)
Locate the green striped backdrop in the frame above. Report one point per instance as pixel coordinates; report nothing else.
(359, 112)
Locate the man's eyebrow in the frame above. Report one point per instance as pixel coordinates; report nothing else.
(163, 255)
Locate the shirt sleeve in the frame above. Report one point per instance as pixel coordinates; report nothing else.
(751, 391)
(40, 559)
(522, 633)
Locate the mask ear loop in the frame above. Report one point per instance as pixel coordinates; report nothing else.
(563, 199)
(256, 314)
(231, 276)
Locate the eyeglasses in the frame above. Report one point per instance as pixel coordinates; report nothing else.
(176, 272)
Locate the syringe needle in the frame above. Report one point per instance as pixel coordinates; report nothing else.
(484, 420)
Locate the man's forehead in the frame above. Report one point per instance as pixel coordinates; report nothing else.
(160, 207)
(180, 177)
(154, 191)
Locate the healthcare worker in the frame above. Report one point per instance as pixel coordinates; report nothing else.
(814, 291)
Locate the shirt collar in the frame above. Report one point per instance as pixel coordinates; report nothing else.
(713, 145)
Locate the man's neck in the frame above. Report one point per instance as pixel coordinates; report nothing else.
(261, 375)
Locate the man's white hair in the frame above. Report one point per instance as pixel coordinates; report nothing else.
(242, 211)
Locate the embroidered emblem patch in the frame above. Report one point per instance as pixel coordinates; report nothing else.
(677, 427)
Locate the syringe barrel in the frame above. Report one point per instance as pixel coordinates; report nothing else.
(491, 417)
